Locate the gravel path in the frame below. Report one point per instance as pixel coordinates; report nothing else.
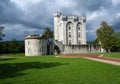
(104, 61)
(9, 57)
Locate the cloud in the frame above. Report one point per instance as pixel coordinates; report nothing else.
(34, 15)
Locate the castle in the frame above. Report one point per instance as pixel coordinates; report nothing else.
(69, 38)
(69, 29)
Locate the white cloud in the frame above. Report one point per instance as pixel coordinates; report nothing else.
(116, 2)
(118, 15)
(92, 16)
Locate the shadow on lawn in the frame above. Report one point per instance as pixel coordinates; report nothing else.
(13, 69)
(6, 59)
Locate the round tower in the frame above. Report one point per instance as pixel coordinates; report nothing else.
(35, 45)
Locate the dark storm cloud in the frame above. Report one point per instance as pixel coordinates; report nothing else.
(93, 5)
(9, 12)
(116, 25)
(35, 17)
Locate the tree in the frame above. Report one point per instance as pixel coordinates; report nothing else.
(117, 36)
(116, 47)
(14, 46)
(1, 33)
(48, 33)
(105, 35)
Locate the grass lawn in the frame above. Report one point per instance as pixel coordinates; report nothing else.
(15, 55)
(113, 54)
(52, 70)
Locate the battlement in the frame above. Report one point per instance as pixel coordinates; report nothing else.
(57, 14)
(35, 36)
(66, 17)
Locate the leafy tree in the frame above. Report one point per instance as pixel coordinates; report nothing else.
(1, 33)
(14, 46)
(105, 36)
(48, 33)
(117, 40)
(116, 47)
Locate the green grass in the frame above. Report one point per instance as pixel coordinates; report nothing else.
(113, 54)
(15, 55)
(51, 70)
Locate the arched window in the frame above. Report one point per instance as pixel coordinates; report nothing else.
(79, 26)
(69, 30)
(69, 25)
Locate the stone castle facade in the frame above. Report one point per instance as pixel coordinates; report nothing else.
(69, 38)
(69, 29)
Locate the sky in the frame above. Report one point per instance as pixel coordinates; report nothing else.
(21, 17)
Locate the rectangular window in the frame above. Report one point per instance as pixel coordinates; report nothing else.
(28, 43)
(39, 42)
(70, 34)
(79, 42)
(78, 34)
(28, 50)
(70, 42)
(78, 28)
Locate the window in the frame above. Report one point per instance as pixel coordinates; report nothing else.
(40, 50)
(79, 25)
(78, 28)
(69, 42)
(69, 28)
(28, 42)
(39, 42)
(79, 42)
(78, 34)
(28, 50)
(70, 34)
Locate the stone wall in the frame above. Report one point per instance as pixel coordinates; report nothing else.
(71, 49)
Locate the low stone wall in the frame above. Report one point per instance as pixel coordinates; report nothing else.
(71, 49)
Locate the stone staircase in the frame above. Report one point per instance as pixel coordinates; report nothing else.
(59, 45)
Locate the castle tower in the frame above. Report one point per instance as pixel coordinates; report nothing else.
(69, 29)
(56, 25)
(35, 45)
